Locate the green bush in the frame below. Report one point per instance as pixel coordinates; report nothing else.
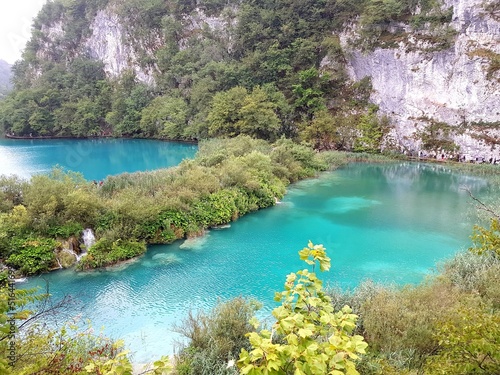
(106, 253)
(66, 230)
(11, 192)
(32, 255)
(469, 344)
(215, 338)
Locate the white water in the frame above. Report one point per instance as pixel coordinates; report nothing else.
(88, 239)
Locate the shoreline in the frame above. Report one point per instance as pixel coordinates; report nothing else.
(70, 137)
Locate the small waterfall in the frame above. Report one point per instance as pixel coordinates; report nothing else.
(88, 239)
(59, 263)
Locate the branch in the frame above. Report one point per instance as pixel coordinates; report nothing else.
(481, 204)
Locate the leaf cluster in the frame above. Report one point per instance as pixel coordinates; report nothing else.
(308, 337)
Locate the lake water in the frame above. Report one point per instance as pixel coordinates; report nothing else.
(94, 158)
(390, 223)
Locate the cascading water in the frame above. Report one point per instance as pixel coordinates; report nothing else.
(88, 240)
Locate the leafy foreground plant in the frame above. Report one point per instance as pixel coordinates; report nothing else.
(29, 347)
(308, 337)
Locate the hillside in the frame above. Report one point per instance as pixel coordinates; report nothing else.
(354, 75)
(5, 75)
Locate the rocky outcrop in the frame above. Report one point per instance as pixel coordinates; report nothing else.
(109, 42)
(457, 86)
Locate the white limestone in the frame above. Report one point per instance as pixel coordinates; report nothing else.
(449, 86)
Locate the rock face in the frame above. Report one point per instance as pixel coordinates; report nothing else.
(455, 86)
(108, 42)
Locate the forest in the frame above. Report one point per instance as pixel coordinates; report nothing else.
(263, 75)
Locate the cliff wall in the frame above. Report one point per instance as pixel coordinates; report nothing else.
(458, 86)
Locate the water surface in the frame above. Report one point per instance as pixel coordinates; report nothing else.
(94, 158)
(389, 223)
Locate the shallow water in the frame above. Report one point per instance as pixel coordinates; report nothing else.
(94, 158)
(388, 223)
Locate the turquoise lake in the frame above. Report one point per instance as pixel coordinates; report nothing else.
(389, 223)
(94, 158)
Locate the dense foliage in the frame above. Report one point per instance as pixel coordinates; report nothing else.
(309, 336)
(269, 69)
(215, 339)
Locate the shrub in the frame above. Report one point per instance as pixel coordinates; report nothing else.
(215, 338)
(106, 252)
(403, 322)
(66, 230)
(469, 344)
(308, 337)
(32, 255)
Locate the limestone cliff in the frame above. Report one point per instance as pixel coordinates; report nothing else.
(109, 40)
(458, 86)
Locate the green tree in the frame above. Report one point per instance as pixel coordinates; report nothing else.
(224, 112)
(371, 131)
(258, 116)
(308, 337)
(329, 132)
(309, 92)
(165, 116)
(239, 112)
(128, 99)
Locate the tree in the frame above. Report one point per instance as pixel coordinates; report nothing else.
(371, 132)
(165, 116)
(308, 337)
(309, 92)
(323, 131)
(127, 101)
(237, 111)
(258, 116)
(224, 113)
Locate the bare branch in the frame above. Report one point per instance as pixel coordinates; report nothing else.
(481, 204)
